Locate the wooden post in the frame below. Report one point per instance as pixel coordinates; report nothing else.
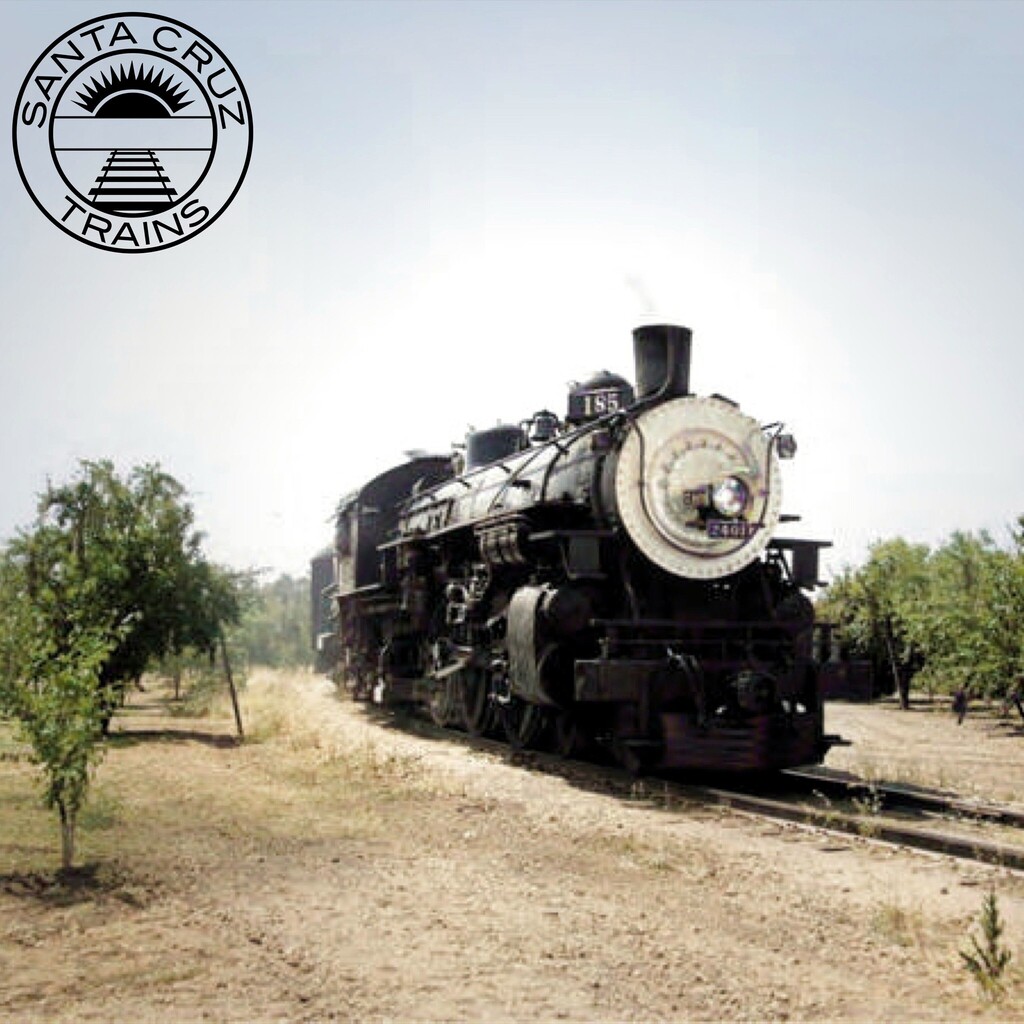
(231, 688)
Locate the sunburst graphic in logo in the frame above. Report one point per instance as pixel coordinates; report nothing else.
(133, 93)
(131, 140)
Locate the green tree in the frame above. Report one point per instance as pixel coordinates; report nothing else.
(111, 553)
(110, 577)
(53, 695)
(970, 621)
(274, 630)
(951, 615)
(875, 608)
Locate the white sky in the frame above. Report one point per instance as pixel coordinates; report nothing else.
(454, 209)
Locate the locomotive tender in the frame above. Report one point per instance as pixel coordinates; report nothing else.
(611, 579)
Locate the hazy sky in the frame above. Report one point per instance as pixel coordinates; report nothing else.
(454, 209)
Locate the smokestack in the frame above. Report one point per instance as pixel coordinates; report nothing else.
(662, 353)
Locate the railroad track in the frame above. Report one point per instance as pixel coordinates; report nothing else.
(891, 794)
(872, 815)
(820, 798)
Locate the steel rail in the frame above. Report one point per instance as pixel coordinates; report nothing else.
(829, 819)
(891, 794)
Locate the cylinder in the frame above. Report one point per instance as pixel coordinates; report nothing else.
(662, 353)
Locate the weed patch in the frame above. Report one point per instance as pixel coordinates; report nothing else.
(898, 924)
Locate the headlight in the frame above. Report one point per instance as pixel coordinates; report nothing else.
(730, 497)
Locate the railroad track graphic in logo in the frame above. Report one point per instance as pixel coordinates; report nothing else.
(132, 132)
(133, 184)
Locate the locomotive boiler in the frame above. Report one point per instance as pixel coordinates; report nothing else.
(610, 578)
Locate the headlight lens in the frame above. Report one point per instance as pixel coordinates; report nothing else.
(730, 497)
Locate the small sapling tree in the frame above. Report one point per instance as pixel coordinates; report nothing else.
(109, 578)
(988, 958)
(53, 696)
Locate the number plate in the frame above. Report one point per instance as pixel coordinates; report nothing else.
(730, 529)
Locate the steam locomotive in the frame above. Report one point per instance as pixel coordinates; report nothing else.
(609, 579)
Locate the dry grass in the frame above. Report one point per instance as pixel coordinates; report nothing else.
(287, 716)
(302, 778)
(899, 923)
(11, 748)
(906, 770)
(30, 836)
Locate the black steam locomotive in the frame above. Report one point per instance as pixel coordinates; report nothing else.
(608, 579)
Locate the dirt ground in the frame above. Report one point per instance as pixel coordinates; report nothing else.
(337, 868)
(982, 758)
